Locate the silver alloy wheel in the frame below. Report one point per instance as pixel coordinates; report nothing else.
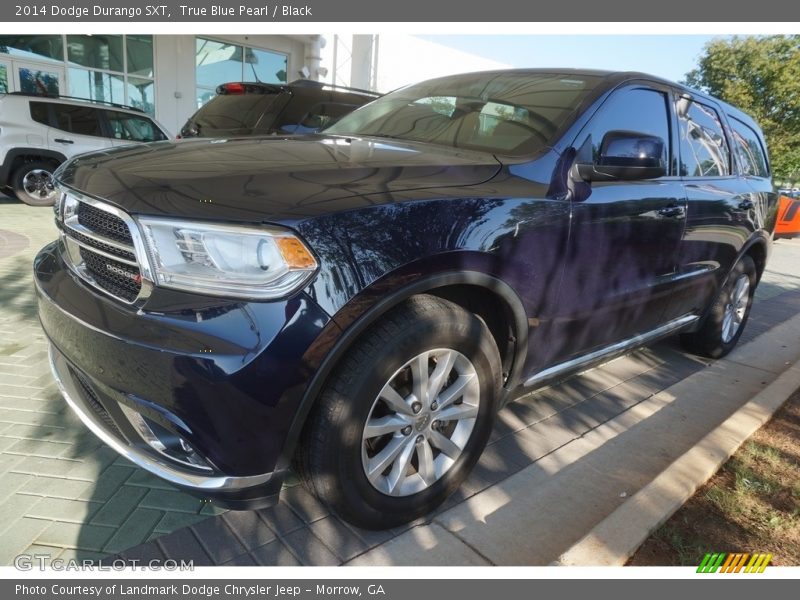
(38, 185)
(420, 422)
(736, 308)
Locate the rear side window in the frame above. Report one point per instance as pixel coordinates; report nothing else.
(237, 114)
(40, 112)
(125, 126)
(81, 120)
(704, 150)
(749, 150)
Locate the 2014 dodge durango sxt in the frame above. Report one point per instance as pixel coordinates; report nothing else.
(361, 302)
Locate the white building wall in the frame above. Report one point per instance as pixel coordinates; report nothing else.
(401, 60)
(405, 59)
(175, 80)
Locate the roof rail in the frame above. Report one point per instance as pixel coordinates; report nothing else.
(87, 100)
(321, 84)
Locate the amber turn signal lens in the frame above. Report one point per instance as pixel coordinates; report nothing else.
(295, 253)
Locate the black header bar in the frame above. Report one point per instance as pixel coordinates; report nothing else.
(449, 11)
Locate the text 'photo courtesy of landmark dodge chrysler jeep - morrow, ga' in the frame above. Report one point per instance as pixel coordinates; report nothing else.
(359, 303)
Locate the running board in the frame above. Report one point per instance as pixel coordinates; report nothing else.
(611, 351)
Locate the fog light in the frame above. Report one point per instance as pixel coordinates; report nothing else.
(163, 441)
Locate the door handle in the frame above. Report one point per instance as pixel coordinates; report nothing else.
(671, 212)
(63, 141)
(746, 205)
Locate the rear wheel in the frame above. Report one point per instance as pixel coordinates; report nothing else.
(724, 324)
(407, 415)
(33, 183)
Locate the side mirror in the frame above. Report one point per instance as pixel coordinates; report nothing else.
(625, 156)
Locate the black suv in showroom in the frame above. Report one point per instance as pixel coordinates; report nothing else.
(360, 303)
(252, 108)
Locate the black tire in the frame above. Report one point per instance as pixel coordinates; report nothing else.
(330, 455)
(709, 340)
(29, 183)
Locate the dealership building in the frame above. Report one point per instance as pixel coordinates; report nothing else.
(170, 76)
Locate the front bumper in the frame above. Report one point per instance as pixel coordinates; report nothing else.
(221, 379)
(96, 418)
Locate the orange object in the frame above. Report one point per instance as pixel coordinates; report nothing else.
(788, 224)
(295, 253)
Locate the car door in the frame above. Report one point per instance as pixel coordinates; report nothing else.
(76, 129)
(723, 209)
(624, 236)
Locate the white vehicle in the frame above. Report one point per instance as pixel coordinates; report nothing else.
(38, 133)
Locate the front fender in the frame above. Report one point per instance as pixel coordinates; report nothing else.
(367, 307)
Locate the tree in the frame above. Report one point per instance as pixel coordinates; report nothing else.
(761, 76)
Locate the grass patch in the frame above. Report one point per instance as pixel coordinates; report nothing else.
(752, 504)
(724, 500)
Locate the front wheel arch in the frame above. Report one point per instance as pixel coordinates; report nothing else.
(355, 326)
(355, 432)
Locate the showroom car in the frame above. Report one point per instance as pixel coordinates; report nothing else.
(255, 108)
(38, 133)
(358, 304)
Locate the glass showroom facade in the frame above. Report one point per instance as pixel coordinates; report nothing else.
(123, 69)
(108, 68)
(218, 62)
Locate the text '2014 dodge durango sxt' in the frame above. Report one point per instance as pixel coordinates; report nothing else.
(360, 303)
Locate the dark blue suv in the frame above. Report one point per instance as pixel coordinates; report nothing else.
(360, 303)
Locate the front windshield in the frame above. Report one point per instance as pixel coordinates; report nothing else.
(512, 113)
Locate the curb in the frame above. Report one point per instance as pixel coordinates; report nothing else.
(633, 522)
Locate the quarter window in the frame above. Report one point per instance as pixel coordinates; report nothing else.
(40, 112)
(704, 150)
(749, 150)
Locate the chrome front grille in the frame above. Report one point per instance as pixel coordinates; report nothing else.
(116, 278)
(104, 223)
(97, 244)
(103, 247)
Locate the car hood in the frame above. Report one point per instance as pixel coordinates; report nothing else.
(268, 178)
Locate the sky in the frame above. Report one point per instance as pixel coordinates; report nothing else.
(667, 56)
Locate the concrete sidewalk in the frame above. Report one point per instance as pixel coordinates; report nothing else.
(541, 514)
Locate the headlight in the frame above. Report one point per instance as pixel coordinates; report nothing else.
(226, 260)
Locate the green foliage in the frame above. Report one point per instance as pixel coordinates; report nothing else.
(761, 76)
